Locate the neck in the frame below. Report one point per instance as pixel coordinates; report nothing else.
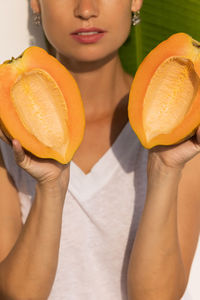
(102, 84)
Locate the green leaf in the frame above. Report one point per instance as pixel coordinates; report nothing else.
(160, 19)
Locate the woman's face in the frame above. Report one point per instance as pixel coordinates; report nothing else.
(108, 21)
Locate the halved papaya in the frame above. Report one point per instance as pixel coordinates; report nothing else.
(164, 101)
(41, 105)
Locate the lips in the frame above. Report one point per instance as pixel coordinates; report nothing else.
(91, 30)
(88, 35)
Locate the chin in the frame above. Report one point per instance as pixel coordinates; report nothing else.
(93, 55)
(89, 58)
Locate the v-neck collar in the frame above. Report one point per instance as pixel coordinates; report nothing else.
(84, 186)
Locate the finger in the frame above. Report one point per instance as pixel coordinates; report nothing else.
(18, 152)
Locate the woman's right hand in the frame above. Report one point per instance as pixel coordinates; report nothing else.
(45, 171)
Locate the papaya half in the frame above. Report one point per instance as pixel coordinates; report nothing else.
(164, 100)
(41, 105)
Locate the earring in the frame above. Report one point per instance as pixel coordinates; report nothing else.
(136, 18)
(37, 19)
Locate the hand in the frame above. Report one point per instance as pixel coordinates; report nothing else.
(177, 155)
(43, 170)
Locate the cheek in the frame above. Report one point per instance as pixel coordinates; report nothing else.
(53, 19)
(122, 26)
(55, 34)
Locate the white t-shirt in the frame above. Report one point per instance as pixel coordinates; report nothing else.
(100, 217)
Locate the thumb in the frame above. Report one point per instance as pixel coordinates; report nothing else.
(18, 152)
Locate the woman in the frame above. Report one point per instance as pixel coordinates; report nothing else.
(73, 234)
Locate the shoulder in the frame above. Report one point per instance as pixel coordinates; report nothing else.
(189, 210)
(10, 216)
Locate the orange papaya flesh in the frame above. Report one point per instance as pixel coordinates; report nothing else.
(41, 105)
(164, 100)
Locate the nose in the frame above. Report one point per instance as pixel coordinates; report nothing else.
(86, 9)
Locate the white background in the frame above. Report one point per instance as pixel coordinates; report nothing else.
(17, 32)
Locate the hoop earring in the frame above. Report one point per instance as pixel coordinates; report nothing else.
(37, 19)
(136, 18)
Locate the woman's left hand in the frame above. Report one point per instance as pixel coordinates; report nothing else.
(176, 156)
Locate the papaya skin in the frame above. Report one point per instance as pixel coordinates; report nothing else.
(36, 63)
(179, 47)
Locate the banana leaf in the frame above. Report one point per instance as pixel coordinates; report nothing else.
(159, 20)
